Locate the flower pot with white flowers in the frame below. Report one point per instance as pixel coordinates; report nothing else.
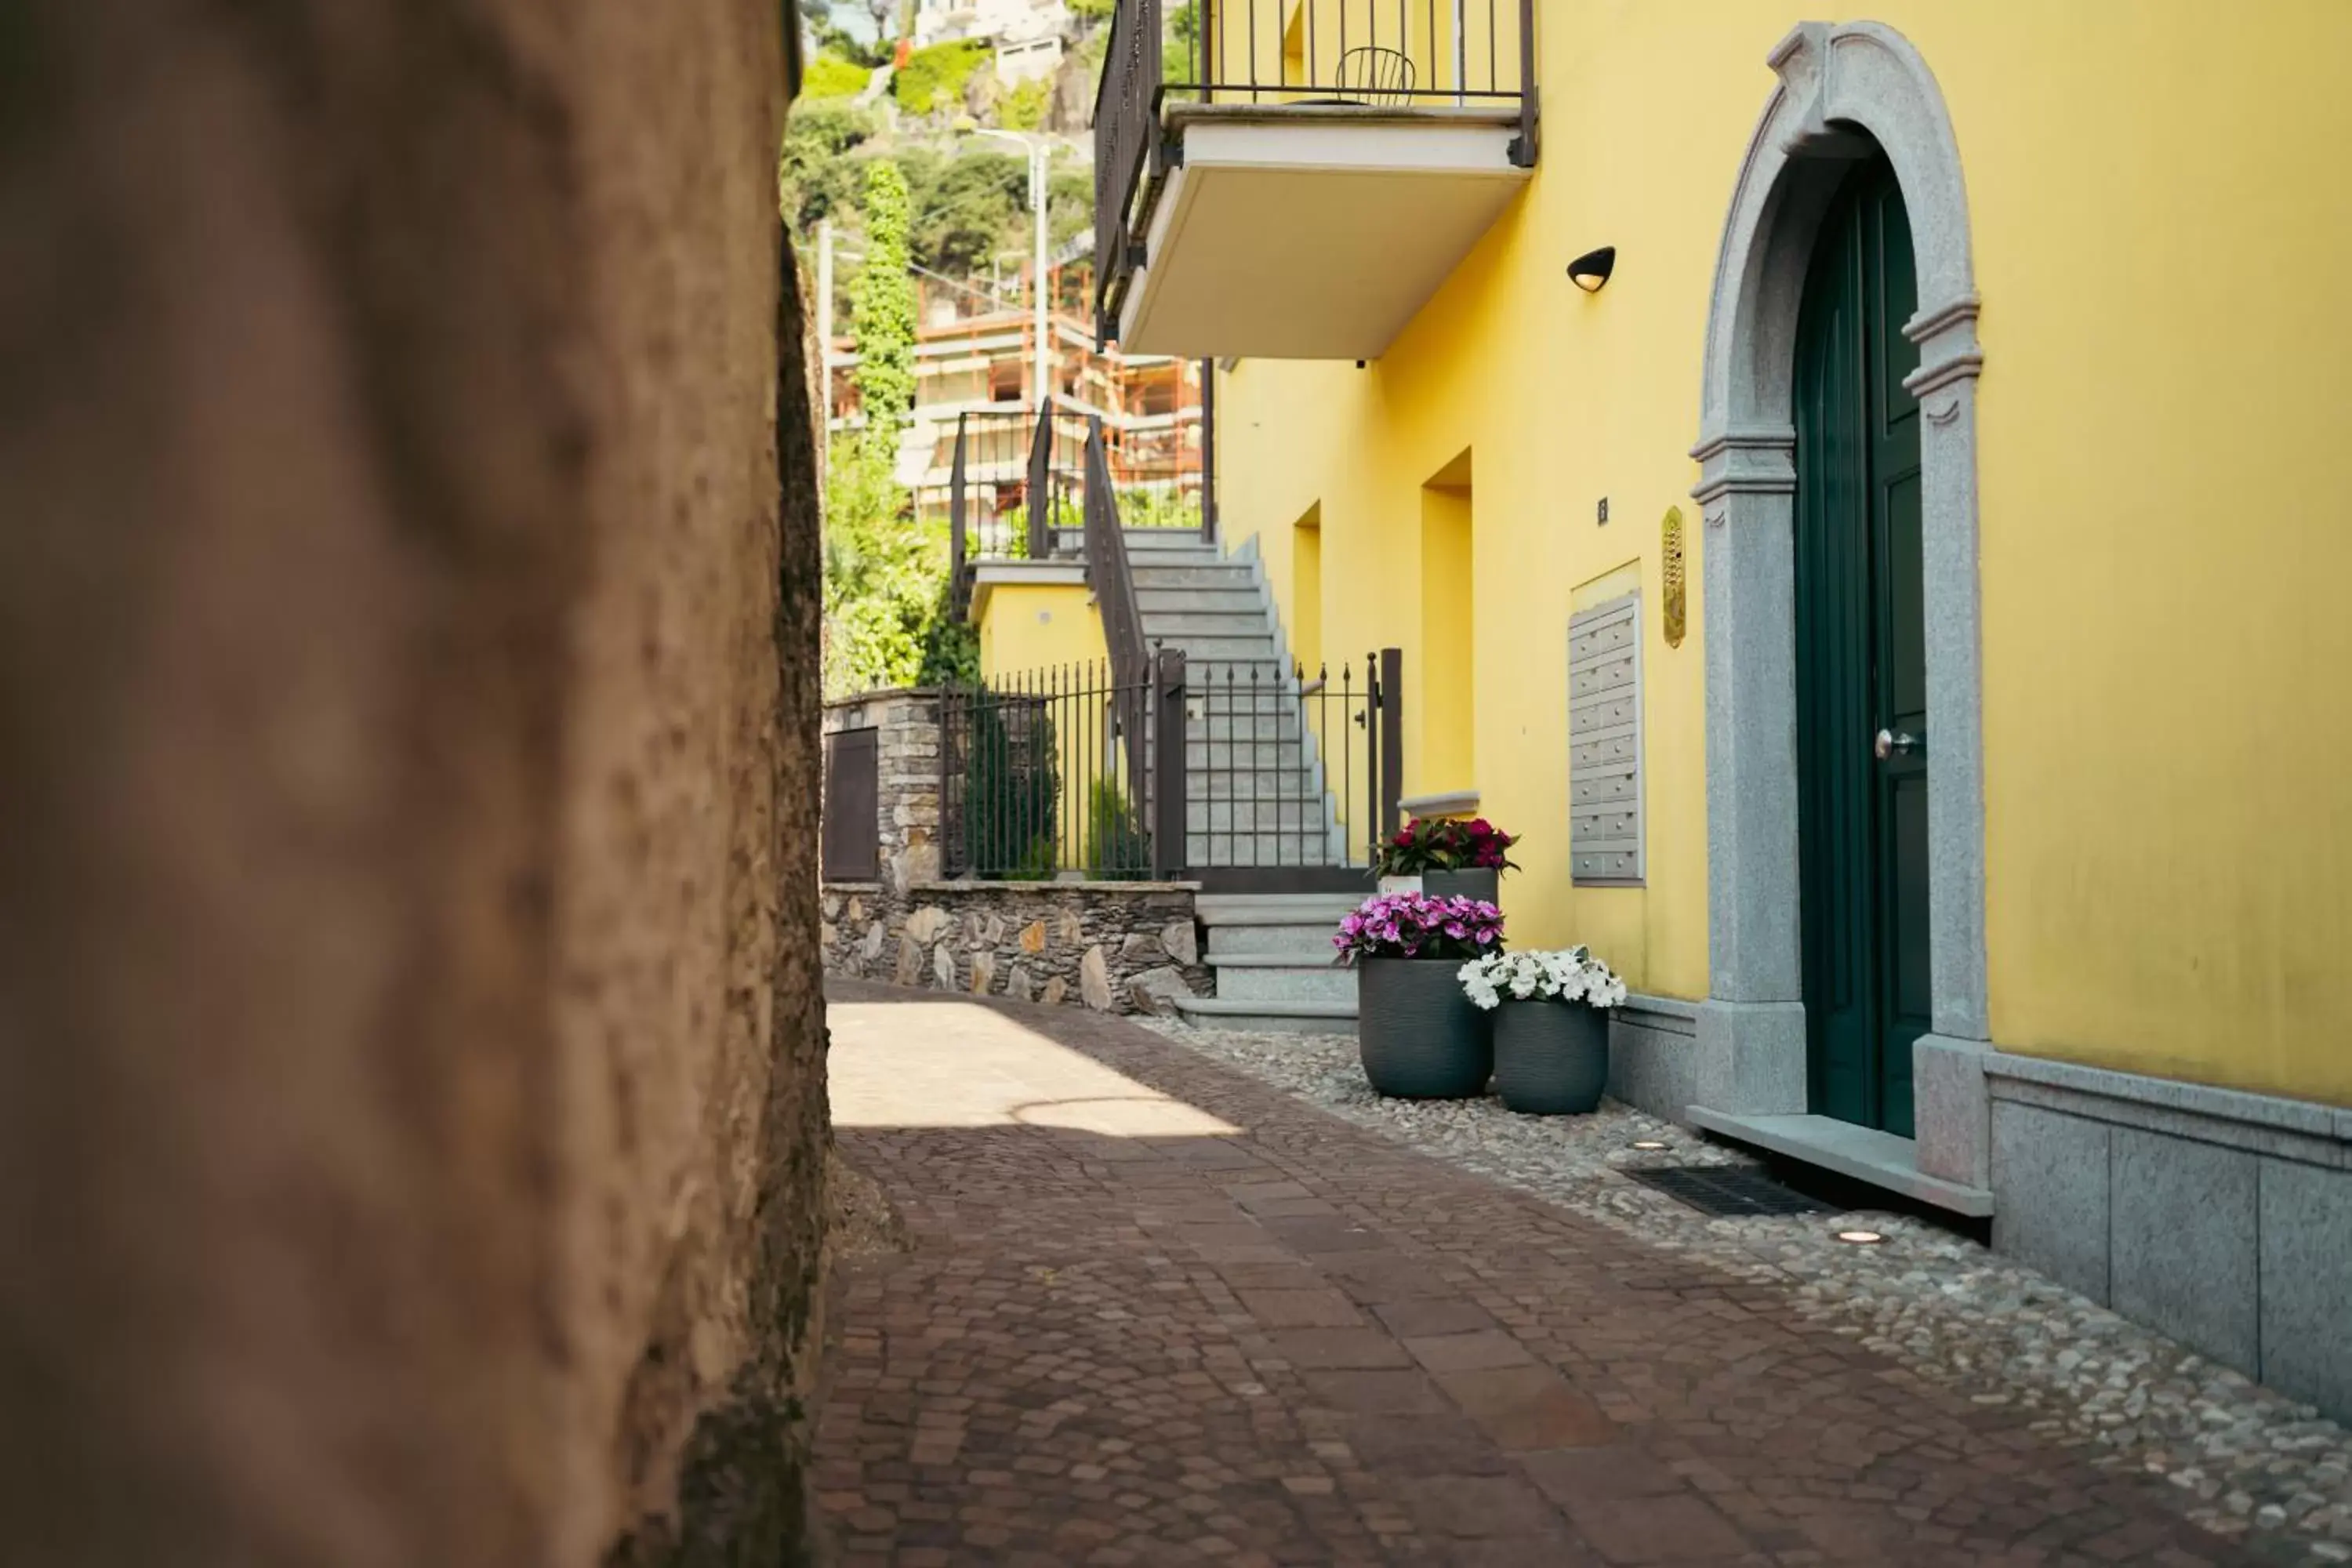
(1417, 1032)
(1551, 1026)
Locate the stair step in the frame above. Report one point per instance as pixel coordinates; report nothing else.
(1226, 575)
(1305, 942)
(1282, 977)
(1253, 649)
(1262, 755)
(1207, 623)
(1270, 1017)
(1241, 729)
(1274, 908)
(1219, 815)
(1157, 601)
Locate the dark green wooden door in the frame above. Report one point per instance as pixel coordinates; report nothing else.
(1861, 705)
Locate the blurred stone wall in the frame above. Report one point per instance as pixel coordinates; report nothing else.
(1113, 946)
(412, 1114)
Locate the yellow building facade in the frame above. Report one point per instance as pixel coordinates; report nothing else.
(2112, 346)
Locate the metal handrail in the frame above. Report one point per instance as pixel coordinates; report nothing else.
(959, 586)
(1113, 580)
(1040, 499)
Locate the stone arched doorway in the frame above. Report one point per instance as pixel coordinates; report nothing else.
(1846, 91)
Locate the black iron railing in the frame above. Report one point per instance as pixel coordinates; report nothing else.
(1223, 774)
(1297, 775)
(1306, 55)
(1040, 476)
(1127, 121)
(1046, 774)
(998, 464)
(1113, 578)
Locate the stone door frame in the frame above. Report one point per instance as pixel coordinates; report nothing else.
(1834, 79)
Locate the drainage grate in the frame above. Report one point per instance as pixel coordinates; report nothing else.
(1726, 1192)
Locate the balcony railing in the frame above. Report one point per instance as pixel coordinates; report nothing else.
(1403, 56)
(998, 464)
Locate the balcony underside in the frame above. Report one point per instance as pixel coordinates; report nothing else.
(1311, 232)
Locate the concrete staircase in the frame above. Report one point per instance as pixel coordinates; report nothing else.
(1276, 970)
(1256, 792)
(1255, 787)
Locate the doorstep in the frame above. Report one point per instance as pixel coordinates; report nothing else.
(1864, 1153)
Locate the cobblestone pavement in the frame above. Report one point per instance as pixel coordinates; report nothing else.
(2244, 1461)
(1153, 1310)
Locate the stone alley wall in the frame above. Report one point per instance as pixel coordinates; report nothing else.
(1123, 947)
(412, 1110)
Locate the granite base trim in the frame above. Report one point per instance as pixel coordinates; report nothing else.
(2221, 1218)
(1652, 1057)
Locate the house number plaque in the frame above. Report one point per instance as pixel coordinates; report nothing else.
(1671, 575)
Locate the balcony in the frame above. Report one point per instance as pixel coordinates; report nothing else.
(1293, 179)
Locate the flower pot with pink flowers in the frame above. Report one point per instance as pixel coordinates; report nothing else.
(1447, 857)
(1418, 1035)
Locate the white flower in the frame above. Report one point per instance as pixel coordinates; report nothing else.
(1570, 975)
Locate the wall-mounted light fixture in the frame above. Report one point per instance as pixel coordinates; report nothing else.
(1591, 269)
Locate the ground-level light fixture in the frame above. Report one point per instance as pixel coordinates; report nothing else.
(1648, 1143)
(1591, 269)
(1861, 1237)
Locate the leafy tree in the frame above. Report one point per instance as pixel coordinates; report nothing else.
(836, 39)
(1179, 58)
(1023, 108)
(882, 309)
(1069, 203)
(967, 209)
(816, 177)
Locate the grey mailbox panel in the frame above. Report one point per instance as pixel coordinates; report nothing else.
(1604, 743)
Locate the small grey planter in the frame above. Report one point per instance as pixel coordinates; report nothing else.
(1486, 886)
(1551, 1058)
(1419, 1036)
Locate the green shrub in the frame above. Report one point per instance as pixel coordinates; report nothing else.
(1117, 848)
(1158, 509)
(830, 76)
(934, 78)
(1011, 786)
(1023, 108)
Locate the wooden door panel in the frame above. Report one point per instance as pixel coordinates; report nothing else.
(1861, 661)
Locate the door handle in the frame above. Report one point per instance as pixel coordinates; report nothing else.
(1896, 744)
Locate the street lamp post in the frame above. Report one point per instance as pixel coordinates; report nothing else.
(1041, 350)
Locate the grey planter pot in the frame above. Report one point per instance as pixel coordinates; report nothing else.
(1484, 886)
(1420, 1039)
(1551, 1058)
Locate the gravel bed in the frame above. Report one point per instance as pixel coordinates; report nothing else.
(2254, 1465)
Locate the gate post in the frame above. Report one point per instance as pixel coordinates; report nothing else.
(1391, 739)
(1168, 742)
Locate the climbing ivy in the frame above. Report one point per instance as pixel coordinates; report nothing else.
(885, 570)
(882, 307)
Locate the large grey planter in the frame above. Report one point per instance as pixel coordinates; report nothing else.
(1486, 886)
(1420, 1037)
(1551, 1058)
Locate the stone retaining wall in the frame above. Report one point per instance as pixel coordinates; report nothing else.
(1117, 947)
